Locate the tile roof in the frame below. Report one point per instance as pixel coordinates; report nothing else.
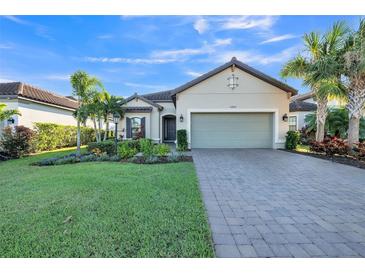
(23, 90)
(301, 106)
(161, 96)
(303, 96)
(141, 97)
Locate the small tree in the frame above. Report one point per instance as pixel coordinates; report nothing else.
(7, 114)
(83, 87)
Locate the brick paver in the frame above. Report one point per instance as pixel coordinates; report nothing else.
(269, 203)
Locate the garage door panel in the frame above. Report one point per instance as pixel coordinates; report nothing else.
(232, 130)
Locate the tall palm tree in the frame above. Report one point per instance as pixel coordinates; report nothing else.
(320, 50)
(354, 74)
(112, 104)
(7, 114)
(83, 87)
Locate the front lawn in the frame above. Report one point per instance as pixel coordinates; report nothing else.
(101, 209)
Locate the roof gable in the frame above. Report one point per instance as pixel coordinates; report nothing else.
(243, 67)
(136, 96)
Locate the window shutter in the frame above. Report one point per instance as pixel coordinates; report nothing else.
(129, 128)
(143, 127)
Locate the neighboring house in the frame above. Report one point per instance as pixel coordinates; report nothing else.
(232, 106)
(36, 105)
(298, 110)
(304, 104)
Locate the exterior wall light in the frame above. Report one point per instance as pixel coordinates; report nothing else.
(181, 118)
(285, 117)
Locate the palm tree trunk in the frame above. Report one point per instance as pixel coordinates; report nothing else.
(354, 130)
(99, 128)
(78, 139)
(96, 130)
(355, 106)
(321, 119)
(106, 130)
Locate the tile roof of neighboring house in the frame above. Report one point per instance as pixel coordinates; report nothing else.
(301, 97)
(302, 106)
(161, 96)
(141, 97)
(137, 109)
(23, 90)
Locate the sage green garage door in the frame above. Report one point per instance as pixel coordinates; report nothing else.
(232, 130)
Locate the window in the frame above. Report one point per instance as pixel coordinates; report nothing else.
(293, 123)
(136, 126)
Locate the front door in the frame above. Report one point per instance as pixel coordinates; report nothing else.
(169, 129)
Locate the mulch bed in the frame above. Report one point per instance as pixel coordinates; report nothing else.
(346, 160)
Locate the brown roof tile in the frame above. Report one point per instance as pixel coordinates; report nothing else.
(27, 91)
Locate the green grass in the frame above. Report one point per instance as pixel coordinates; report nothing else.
(101, 209)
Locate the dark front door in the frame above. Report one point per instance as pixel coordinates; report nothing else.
(169, 129)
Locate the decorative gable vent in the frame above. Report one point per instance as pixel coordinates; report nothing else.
(233, 79)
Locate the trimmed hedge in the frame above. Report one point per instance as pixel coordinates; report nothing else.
(107, 147)
(182, 140)
(52, 136)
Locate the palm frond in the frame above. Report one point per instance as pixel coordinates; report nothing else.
(295, 67)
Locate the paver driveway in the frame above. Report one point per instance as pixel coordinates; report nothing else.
(268, 203)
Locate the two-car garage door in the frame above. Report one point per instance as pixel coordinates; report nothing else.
(231, 130)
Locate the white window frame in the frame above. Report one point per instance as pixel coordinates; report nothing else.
(296, 121)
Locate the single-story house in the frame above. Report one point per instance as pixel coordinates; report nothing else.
(36, 105)
(232, 106)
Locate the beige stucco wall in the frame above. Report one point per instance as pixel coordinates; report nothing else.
(33, 112)
(252, 95)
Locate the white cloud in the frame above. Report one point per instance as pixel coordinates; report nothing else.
(40, 30)
(129, 60)
(223, 42)
(253, 57)
(145, 86)
(201, 25)
(193, 73)
(179, 53)
(105, 36)
(279, 38)
(249, 22)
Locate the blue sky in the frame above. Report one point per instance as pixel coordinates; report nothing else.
(147, 53)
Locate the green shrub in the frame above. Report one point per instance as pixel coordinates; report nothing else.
(161, 150)
(107, 147)
(292, 139)
(18, 142)
(127, 149)
(182, 140)
(146, 146)
(52, 136)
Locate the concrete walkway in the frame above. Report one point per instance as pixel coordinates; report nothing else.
(268, 203)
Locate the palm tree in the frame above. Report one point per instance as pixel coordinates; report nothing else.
(112, 104)
(321, 50)
(84, 86)
(7, 114)
(354, 74)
